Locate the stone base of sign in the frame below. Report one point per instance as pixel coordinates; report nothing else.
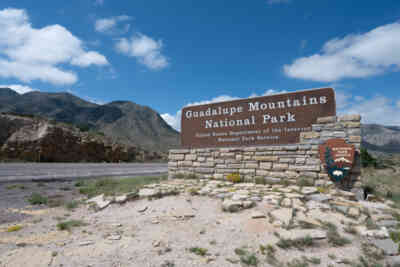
(274, 164)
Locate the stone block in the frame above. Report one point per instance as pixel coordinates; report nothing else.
(329, 119)
(185, 163)
(226, 170)
(227, 155)
(301, 160)
(287, 160)
(316, 168)
(201, 159)
(172, 164)
(219, 161)
(266, 158)
(207, 164)
(190, 157)
(351, 124)
(280, 166)
(239, 157)
(353, 117)
(309, 174)
(309, 135)
(290, 148)
(263, 153)
(204, 170)
(355, 139)
(247, 171)
(265, 165)
(292, 174)
(262, 173)
(251, 165)
(179, 151)
(218, 176)
(176, 157)
(313, 161)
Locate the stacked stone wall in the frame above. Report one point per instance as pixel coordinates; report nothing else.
(274, 164)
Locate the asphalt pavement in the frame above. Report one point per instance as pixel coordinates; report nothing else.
(19, 172)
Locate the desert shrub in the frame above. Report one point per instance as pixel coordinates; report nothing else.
(367, 160)
(234, 177)
(37, 199)
(14, 228)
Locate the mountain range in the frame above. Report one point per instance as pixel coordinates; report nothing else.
(128, 123)
(123, 121)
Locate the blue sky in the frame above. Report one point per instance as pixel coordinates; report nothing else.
(168, 54)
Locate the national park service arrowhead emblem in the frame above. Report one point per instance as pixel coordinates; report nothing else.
(338, 158)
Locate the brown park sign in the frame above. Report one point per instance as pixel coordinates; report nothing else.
(337, 157)
(268, 120)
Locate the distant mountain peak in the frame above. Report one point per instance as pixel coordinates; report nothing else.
(122, 121)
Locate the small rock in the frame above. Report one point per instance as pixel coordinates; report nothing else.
(156, 243)
(155, 221)
(239, 197)
(387, 245)
(319, 197)
(99, 201)
(142, 209)
(372, 198)
(257, 215)
(114, 237)
(116, 224)
(308, 190)
(377, 233)
(231, 206)
(301, 233)
(86, 243)
(387, 223)
(146, 192)
(354, 212)
(121, 199)
(286, 202)
(247, 204)
(189, 215)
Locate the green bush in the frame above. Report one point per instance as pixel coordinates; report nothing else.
(37, 199)
(367, 160)
(234, 178)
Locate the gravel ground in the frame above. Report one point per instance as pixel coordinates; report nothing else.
(144, 232)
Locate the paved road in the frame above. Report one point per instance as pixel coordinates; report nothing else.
(59, 171)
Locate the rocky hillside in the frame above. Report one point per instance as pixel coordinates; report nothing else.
(41, 140)
(123, 121)
(381, 138)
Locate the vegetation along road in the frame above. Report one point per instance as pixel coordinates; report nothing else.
(10, 172)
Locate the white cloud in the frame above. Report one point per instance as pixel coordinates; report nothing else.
(378, 109)
(27, 53)
(20, 89)
(398, 104)
(354, 56)
(175, 119)
(271, 2)
(145, 49)
(109, 25)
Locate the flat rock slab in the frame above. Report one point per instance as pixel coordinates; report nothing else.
(100, 201)
(284, 215)
(302, 233)
(388, 223)
(319, 197)
(387, 245)
(147, 192)
(257, 215)
(308, 190)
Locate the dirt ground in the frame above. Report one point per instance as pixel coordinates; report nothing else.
(170, 231)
